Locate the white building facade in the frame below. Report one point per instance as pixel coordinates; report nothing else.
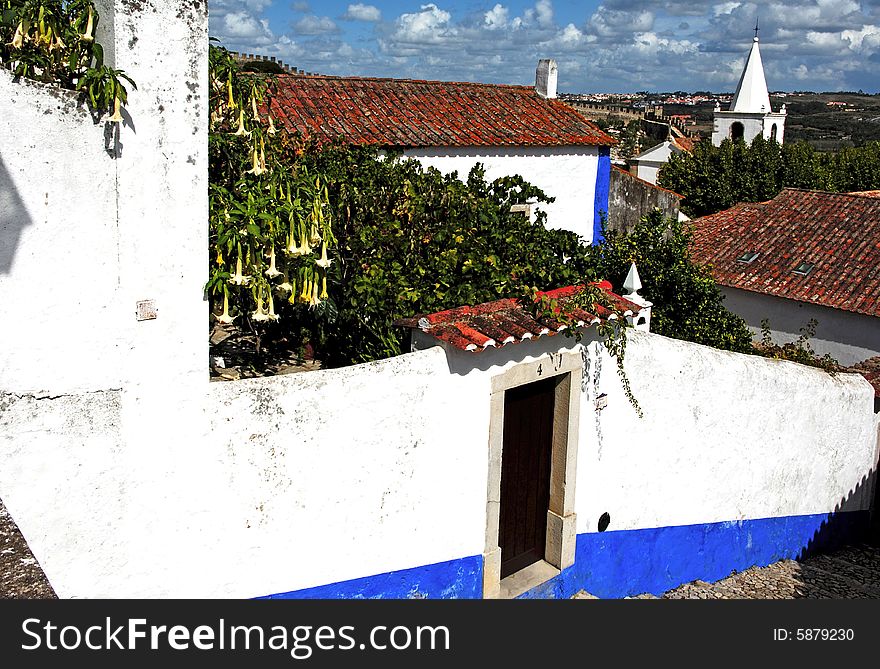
(750, 113)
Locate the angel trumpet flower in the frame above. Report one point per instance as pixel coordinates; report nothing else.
(324, 261)
(260, 314)
(90, 26)
(231, 101)
(18, 38)
(225, 318)
(284, 287)
(324, 295)
(272, 316)
(117, 117)
(257, 168)
(271, 129)
(313, 300)
(293, 250)
(254, 108)
(272, 272)
(241, 130)
(238, 279)
(305, 295)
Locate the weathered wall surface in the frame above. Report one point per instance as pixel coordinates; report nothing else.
(262, 486)
(59, 244)
(97, 216)
(848, 337)
(566, 173)
(631, 198)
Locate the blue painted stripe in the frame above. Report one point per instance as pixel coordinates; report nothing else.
(603, 185)
(455, 579)
(623, 563)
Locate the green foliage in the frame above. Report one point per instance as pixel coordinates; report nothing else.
(271, 230)
(413, 240)
(688, 301)
(712, 178)
(53, 41)
(798, 350)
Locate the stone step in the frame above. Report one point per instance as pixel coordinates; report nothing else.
(858, 576)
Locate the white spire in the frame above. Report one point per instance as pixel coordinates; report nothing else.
(751, 93)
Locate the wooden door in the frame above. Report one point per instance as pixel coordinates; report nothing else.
(525, 474)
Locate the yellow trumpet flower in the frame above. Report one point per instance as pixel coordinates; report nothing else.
(313, 300)
(241, 130)
(271, 129)
(225, 318)
(219, 259)
(254, 107)
(238, 278)
(293, 296)
(260, 314)
(231, 102)
(272, 272)
(90, 26)
(324, 295)
(18, 38)
(117, 117)
(324, 261)
(272, 316)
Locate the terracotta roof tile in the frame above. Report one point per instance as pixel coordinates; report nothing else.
(495, 324)
(411, 113)
(838, 232)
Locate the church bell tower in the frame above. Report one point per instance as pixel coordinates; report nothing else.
(750, 113)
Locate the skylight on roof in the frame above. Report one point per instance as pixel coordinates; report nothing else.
(804, 268)
(748, 256)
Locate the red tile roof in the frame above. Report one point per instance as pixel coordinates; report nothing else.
(494, 324)
(838, 232)
(411, 113)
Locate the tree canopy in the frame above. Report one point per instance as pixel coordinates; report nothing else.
(712, 179)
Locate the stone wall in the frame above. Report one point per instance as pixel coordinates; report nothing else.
(631, 198)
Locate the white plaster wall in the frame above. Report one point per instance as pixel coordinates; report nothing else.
(753, 125)
(252, 487)
(59, 245)
(566, 173)
(96, 217)
(724, 437)
(648, 171)
(848, 337)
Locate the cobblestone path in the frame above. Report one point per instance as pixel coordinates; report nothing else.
(850, 573)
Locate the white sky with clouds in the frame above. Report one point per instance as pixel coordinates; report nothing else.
(601, 46)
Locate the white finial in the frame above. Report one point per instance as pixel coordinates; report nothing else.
(632, 284)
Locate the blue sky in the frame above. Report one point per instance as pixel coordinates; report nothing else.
(601, 45)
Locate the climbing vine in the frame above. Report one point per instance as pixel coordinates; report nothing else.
(53, 41)
(611, 327)
(270, 224)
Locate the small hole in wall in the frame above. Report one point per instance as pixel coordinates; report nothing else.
(641, 320)
(604, 521)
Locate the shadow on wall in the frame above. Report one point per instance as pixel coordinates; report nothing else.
(841, 526)
(14, 217)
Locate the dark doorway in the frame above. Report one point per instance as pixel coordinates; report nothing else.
(737, 131)
(773, 132)
(525, 474)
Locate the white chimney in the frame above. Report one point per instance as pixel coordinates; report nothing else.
(545, 78)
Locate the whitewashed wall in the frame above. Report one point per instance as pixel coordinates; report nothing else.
(566, 173)
(253, 487)
(846, 336)
(725, 437)
(98, 216)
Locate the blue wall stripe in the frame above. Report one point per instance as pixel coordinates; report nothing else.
(603, 184)
(623, 563)
(455, 579)
(616, 564)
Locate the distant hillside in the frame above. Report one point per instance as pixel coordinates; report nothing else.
(852, 120)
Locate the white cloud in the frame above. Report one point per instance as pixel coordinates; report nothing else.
(362, 12)
(496, 18)
(301, 6)
(315, 25)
